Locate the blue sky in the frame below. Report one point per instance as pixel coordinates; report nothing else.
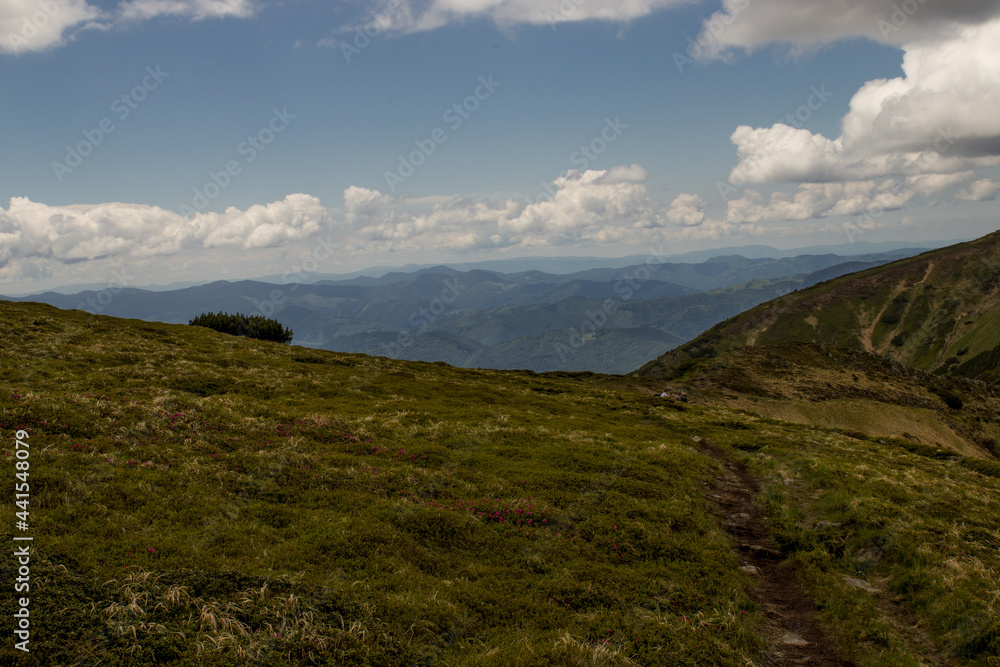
(194, 139)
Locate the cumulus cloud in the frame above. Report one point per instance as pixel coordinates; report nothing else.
(387, 222)
(408, 16)
(596, 205)
(982, 190)
(30, 25)
(753, 213)
(941, 117)
(819, 200)
(687, 210)
(70, 234)
(623, 173)
(591, 204)
(38, 25)
(867, 199)
(929, 184)
(294, 218)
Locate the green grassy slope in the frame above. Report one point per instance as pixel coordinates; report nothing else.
(201, 499)
(838, 387)
(939, 311)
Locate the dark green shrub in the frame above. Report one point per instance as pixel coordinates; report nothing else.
(952, 400)
(250, 326)
(990, 444)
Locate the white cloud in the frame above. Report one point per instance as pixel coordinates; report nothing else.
(623, 173)
(196, 10)
(30, 25)
(930, 129)
(69, 234)
(393, 223)
(599, 206)
(784, 153)
(408, 16)
(929, 184)
(819, 200)
(982, 190)
(38, 25)
(263, 226)
(753, 213)
(687, 210)
(941, 117)
(814, 201)
(596, 205)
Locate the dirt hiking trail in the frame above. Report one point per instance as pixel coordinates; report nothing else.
(791, 628)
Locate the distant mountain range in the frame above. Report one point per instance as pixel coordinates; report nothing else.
(607, 320)
(556, 265)
(565, 265)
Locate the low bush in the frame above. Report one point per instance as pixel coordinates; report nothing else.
(250, 326)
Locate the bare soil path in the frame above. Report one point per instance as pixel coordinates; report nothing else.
(792, 628)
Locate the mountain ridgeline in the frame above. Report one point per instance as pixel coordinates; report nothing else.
(608, 320)
(938, 312)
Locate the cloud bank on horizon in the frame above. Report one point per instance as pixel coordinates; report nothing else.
(589, 205)
(904, 140)
(600, 206)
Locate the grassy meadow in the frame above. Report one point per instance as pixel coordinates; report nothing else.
(202, 499)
